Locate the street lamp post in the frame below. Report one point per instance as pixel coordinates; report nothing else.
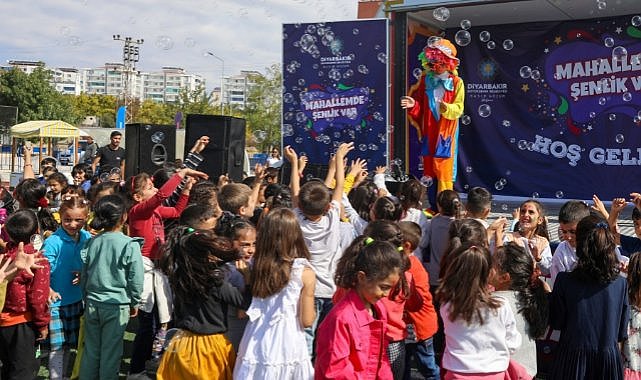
(222, 78)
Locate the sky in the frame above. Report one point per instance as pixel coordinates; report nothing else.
(245, 34)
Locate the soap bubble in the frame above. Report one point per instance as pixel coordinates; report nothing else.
(485, 110)
(491, 45)
(504, 207)
(164, 42)
(462, 38)
(503, 181)
(441, 13)
(426, 181)
(535, 74)
(619, 53)
(601, 5)
(525, 72)
(288, 97)
(301, 82)
(65, 30)
(301, 117)
(636, 21)
(466, 120)
(535, 195)
(382, 57)
(74, 41)
(466, 24)
(559, 194)
(468, 169)
(355, 31)
(157, 137)
(362, 147)
(372, 147)
(190, 42)
(298, 140)
(627, 96)
(484, 36)
(498, 186)
(619, 138)
(260, 136)
(522, 144)
(506, 123)
(602, 101)
(433, 40)
(288, 130)
(363, 69)
(417, 73)
(612, 117)
(608, 42)
(508, 44)
(592, 114)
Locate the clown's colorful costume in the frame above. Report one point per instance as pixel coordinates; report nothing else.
(437, 126)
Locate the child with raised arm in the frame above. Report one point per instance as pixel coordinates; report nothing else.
(318, 212)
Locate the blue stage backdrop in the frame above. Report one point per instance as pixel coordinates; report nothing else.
(552, 109)
(335, 89)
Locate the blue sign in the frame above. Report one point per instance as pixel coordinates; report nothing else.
(335, 89)
(121, 117)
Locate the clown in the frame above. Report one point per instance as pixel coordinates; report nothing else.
(434, 105)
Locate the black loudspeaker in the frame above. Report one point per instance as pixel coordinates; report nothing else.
(148, 147)
(312, 171)
(225, 152)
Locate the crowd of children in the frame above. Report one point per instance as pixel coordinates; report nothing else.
(333, 278)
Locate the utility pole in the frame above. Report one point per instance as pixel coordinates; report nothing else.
(130, 55)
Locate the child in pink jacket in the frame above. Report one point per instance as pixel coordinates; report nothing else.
(351, 342)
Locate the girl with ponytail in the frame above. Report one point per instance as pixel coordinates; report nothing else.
(111, 281)
(515, 280)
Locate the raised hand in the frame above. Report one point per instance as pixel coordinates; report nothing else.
(290, 154)
(407, 102)
(343, 149)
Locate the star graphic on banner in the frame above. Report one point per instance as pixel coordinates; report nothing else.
(546, 50)
(618, 30)
(589, 127)
(525, 88)
(557, 40)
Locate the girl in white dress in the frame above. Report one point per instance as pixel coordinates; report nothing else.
(282, 284)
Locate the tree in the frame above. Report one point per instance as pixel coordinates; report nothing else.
(264, 104)
(102, 106)
(152, 112)
(34, 96)
(196, 101)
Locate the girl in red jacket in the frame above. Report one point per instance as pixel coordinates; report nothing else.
(351, 342)
(145, 219)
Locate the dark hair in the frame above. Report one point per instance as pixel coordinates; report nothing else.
(193, 215)
(411, 193)
(280, 241)
(71, 202)
(29, 193)
(277, 196)
(636, 213)
(464, 285)
(479, 199)
(100, 187)
(462, 231)
(233, 196)
(313, 198)
(596, 251)
(541, 229)
(411, 233)
(48, 160)
(387, 208)
(115, 133)
(108, 212)
(533, 300)
(363, 197)
(386, 230)
(82, 168)
(136, 184)
(48, 170)
(573, 211)
(377, 259)
(21, 225)
(162, 175)
(634, 280)
(204, 192)
(449, 203)
(194, 261)
(229, 225)
(60, 178)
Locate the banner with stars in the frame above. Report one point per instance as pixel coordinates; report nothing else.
(552, 109)
(335, 89)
